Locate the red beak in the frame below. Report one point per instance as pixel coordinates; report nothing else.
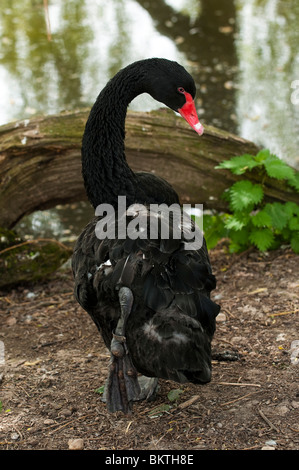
(189, 113)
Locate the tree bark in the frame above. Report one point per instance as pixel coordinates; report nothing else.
(40, 161)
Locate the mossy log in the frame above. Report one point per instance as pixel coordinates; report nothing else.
(40, 161)
(29, 261)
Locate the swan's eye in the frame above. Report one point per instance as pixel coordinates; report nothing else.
(181, 90)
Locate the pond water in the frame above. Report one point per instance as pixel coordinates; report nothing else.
(243, 55)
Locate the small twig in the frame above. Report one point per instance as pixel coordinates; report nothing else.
(128, 427)
(221, 340)
(37, 240)
(237, 399)
(24, 390)
(189, 402)
(67, 423)
(51, 343)
(268, 421)
(6, 300)
(18, 432)
(64, 302)
(287, 312)
(296, 430)
(257, 291)
(252, 447)
(243, 384)
(225, 310)
(163, 435)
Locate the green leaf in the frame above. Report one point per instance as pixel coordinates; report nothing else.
(238, 165)
(278, 169)
(236, 221)
(159, 410)
(269, 225)
(100, 390)
(211, 240)
(294, 181)
(295, 242)
(240, 237)
(294, 223)
(214, 230)
(262, 238)
(244, 194)
(174, 395)
(239, 240)
(261, 219)
(262, 155)
(291, 208)
(235, 247)
(280, 217)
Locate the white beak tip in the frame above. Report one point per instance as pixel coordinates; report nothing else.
(199, 128)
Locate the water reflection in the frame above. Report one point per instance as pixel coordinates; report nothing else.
(46, 75)
(91, 40)
(268, 55)
(242, 54)
(63, 222)
(204, 33)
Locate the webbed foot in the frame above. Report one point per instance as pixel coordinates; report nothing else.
(122, 386)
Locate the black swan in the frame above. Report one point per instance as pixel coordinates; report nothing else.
(149, 296)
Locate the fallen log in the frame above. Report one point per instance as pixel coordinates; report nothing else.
(29, 261)
(40, 161)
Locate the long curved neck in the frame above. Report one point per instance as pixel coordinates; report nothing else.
(105, 170)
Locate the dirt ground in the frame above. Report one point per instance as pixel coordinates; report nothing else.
(55, 361)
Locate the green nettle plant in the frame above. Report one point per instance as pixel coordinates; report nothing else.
(252, 221)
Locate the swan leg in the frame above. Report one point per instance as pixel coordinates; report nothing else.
(122, 386)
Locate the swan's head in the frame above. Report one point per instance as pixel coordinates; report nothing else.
(168, 82)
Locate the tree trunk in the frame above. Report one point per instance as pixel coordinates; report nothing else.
(40, 161)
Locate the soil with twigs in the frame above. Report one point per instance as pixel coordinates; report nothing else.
(55, 362)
